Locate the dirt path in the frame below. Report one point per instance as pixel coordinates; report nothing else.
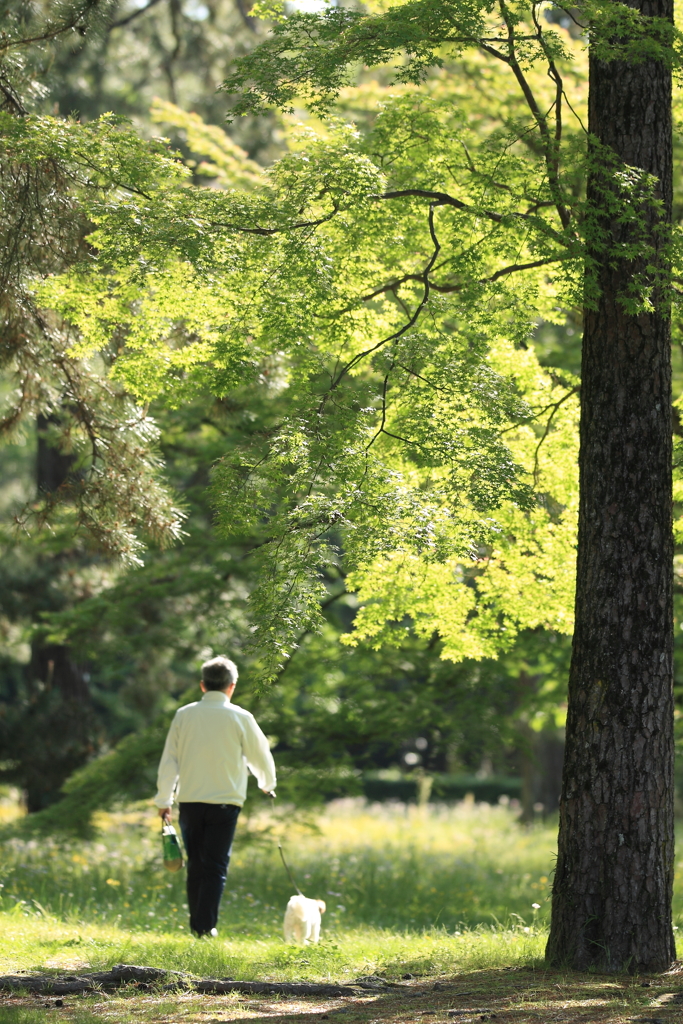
(525, 996)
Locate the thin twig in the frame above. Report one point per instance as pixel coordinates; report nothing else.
(555, 407)
(136, 14)
(384, 413)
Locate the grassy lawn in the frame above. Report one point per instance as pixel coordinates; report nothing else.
(443, 894)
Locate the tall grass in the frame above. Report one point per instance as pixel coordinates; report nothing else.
(404, 867)
(397, 867)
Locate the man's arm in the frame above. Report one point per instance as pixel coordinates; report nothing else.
(258, 756)
(167, 775)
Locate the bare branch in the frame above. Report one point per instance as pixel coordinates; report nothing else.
(135, 14)
(553, 73)
(170, 58)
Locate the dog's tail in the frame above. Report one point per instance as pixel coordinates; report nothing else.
(286, 866)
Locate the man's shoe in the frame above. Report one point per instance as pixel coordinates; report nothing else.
(207, 935)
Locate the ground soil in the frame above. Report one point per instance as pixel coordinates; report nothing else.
(515, 996)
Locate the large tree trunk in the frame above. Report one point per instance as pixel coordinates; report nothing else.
(613, 882)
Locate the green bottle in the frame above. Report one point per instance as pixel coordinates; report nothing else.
(173, 856)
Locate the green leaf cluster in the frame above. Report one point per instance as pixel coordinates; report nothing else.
(384, 286)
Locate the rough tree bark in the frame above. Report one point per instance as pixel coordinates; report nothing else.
(613, 882)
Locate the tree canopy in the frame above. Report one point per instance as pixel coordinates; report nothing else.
(375, 294)
(395, 307)
(390, 281)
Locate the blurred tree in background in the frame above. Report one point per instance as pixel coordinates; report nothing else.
(77, 438)
(167, 49)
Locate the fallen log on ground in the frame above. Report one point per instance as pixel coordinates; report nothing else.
(216, 987)
(144, 977)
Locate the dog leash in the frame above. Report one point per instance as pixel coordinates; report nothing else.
(286, 866)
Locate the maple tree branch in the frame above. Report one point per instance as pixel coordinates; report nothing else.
(514, 268)
(553, 405)
(275, 231)
(444, 199)
(445, 289)
(380, 429)
(410, 323)
(550, 145)
(441, 199)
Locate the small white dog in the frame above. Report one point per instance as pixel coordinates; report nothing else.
(303, 919)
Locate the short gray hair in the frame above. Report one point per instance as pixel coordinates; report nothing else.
(219, 673)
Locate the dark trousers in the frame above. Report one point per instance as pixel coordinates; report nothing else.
(208, 831)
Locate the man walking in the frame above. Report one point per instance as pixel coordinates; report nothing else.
(209, 747)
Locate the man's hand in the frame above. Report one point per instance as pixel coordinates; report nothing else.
(165, 814)
(269, 792)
